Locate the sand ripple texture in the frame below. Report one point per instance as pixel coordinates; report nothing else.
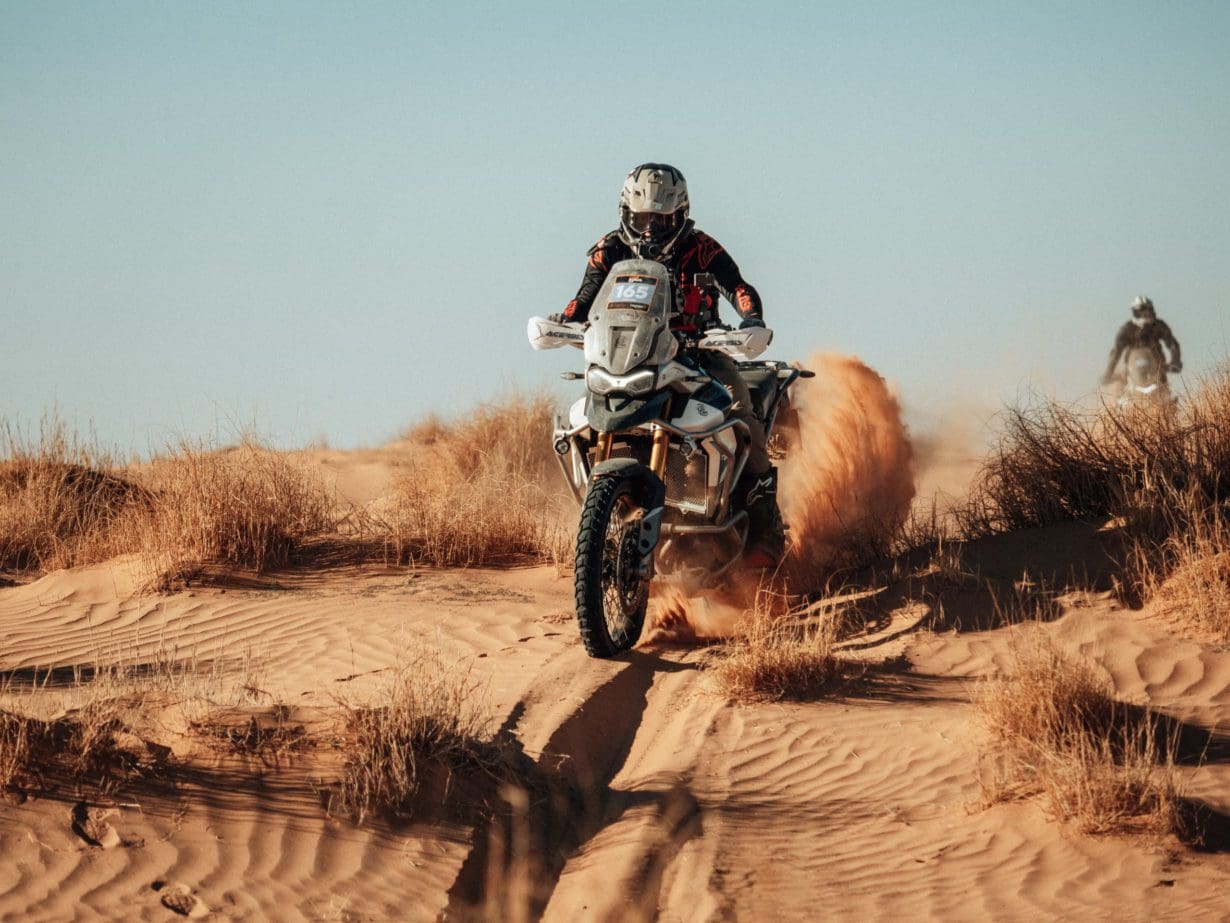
(671, 803)
(301, 636)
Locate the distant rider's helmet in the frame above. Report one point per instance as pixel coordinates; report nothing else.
(1142, 310)
(653, 209)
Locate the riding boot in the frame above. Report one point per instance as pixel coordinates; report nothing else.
(766, 536)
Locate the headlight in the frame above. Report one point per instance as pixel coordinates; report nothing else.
(601, 381)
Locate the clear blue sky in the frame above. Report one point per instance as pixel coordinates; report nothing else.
(334, 218)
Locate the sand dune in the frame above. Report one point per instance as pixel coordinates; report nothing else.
(669, 802)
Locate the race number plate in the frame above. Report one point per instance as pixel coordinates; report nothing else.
(634, 292)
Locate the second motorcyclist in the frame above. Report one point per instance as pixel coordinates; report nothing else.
(654, 225)
(1145, 331)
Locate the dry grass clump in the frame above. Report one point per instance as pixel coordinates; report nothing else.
(65, 503)
(777, 658)
(929, 523)
(60, 499)
(267, 734)
(1199, 585)
(14, 749)
(1162, 473)
(427, 729)
(1060, 733)
(100, 727)
(1055, 462)
(90, 744)
(482, 489)
(1181, 559)
(246, 506)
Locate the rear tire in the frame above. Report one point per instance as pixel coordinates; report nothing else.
(611, 596)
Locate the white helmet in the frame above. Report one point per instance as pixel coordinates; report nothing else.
(653, 209)
(1142, 309)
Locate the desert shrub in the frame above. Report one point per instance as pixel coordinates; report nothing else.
(774, 657)
(1054, 462)
(1059, 732)
(1187, 570)
(87, 744)
(246, 506)
(64, 502)
(427, 431)
(14, 748)
(60, 499)
(1163, 474)
(98, 727)
(426, 727)
(483, 489)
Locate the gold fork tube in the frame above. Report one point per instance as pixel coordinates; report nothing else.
(657, 457)
(604, 447)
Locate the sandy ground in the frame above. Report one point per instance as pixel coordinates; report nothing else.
(684, 806)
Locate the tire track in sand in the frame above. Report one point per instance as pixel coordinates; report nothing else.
(577, 728)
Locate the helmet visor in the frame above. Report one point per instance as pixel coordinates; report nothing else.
(654, 224)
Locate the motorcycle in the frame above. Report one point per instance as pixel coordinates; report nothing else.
(652, 451)
(1143, 381)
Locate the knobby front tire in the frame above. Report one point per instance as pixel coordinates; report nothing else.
(611, 596)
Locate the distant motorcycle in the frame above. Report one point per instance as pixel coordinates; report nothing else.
(651, 451)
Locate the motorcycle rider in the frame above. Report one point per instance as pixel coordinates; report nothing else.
(1145, 331)
(654, 225)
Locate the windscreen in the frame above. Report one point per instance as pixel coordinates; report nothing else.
(629, 321)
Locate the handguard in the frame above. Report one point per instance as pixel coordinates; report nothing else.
(544, 333)
(743, 345)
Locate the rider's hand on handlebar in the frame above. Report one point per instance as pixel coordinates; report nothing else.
(751, 322)
(557, 318)
(1175, 367)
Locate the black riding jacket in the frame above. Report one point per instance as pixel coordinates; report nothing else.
(695, 252)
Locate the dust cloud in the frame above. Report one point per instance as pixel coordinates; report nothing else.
(947, 458)
(846, 486)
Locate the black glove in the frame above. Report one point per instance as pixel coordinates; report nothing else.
(557, 318)
(751, 322)
(1175, 367)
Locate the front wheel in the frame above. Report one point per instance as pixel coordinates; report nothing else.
(611, 591)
